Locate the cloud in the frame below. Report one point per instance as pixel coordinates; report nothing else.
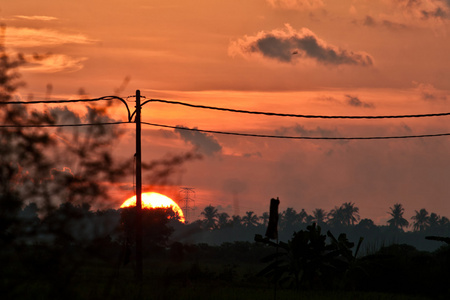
(205, 143)
(303, 131)
(428, 92)
(254, 154)
(370, 21)
(424, 9)
(296, 4)
(30, 37)
(356, 102)
(53, 63)
(36, 18)
(289, 45)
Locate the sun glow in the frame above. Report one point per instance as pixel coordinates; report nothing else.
(155, 200)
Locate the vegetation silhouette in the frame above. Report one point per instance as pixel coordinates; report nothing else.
(306, 261)
(59, 241)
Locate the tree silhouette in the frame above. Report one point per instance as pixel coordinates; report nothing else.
(265, 218)
(336, 217)
(236, 221)
(289, 219)
(351, 213)
(319, 216)
(433, 221)
(210, 217)
(250, 219)
(155, 224)
(303, 216)
(421, 220)
(223, 220)
(397, 220)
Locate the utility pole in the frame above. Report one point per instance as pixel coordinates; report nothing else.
(139, 273)
(187, 200)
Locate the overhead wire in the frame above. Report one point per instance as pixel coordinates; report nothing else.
(234, 111)
(62, 125)
(295, 115)
(298, 137)
(71, 101)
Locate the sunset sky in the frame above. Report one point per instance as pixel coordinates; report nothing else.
(320, 57)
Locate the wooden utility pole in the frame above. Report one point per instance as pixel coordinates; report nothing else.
(139, 273)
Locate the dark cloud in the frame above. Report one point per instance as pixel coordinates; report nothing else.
(438, 13)
(428, 92)
(426, 9)
(297, 4)
(302, 131)
(205, 143)
(394, 25)
(290, 45)
(356, 102)
(370, 21)
(248, 155)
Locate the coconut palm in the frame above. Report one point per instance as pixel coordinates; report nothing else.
(289, 218)
(236, 221)
(421, 220)
(319, 216)
(223, 220)
(250, 219)
(351, 213)
(397, 220)
(433, 220)
(303, 216)
(210, 217)
(265, 218)
(336, 217)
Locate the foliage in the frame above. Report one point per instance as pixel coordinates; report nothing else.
(307, 261)
(397, 220)
(155, 224)
(210, 217)
(421, 220)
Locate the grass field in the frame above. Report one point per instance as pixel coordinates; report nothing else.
(92, 280)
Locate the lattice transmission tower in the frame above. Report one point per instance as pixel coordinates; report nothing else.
(187, 196)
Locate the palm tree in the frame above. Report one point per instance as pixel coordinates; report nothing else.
(303, 216)
(397, 220)
(250, 219)
(433, 220)
(210, 217)
(319, 216)
(289, 218)
(351, 213)
(336, 216)
(223, 220)
(265, 218)
(421, 220)
(236, 221)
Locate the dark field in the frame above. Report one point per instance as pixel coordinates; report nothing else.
(229, 271)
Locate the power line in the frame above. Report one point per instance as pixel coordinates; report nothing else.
(62, 125)
(300, 137)
(232, 109)
(295, 115)
(62, 101)
(72, 101)
(234, 133)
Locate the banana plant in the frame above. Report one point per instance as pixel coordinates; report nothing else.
(307, 260)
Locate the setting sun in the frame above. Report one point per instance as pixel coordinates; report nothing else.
(154, 200)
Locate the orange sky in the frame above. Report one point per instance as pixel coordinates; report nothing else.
(348, 57)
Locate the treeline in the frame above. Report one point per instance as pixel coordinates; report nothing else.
(55, 253)
(79, 223)
(219, 226)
